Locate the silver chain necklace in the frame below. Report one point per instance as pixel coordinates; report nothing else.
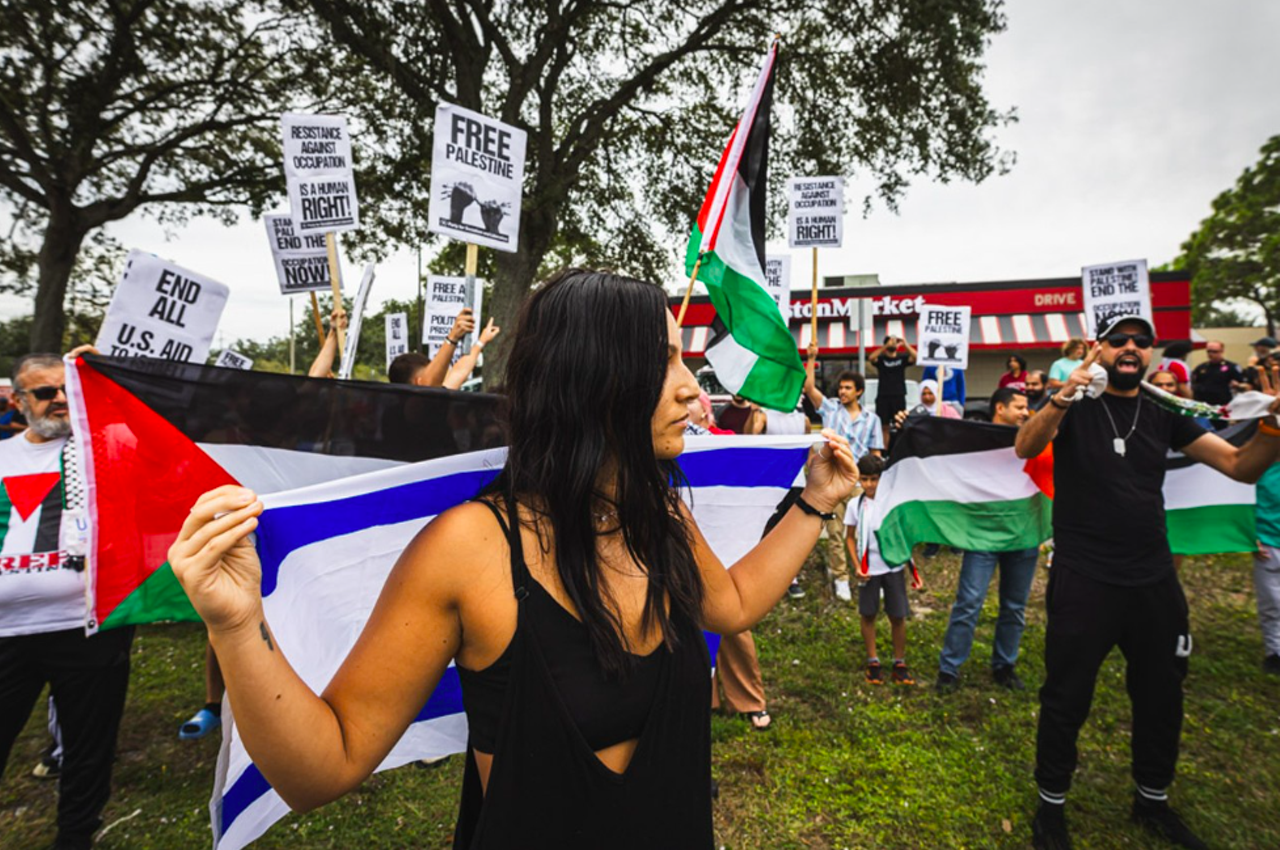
(1119, 442)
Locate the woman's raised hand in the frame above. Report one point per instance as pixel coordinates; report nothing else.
(215, 561)
(832, 472)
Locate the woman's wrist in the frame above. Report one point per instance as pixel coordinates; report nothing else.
(820, 502)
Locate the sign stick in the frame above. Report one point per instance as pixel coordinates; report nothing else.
(813, 308)
(684, 305)
(331, 243)
(315, 313)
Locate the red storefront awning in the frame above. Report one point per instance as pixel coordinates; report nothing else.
(1007, 315)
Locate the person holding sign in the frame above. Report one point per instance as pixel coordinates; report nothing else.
(1113, 581)
(413, 368)
(459, 372)
(572, 593)
(322, 366)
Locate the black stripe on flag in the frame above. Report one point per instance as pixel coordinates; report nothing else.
(933, 436)
(1237, 435)
(319, 415)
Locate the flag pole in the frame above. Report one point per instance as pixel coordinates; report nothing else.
(331, 244)
(684, 305)
(315, 314)
(813, 303)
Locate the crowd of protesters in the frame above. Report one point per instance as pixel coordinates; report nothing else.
(1113, 581)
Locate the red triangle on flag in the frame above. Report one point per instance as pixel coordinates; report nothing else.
(1040, 470)
(26, 492)
(147, 475)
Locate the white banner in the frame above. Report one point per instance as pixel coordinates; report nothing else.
(815, 212)
(397, 336)
(353, 326)
(477, 173)
(446, 296)
(229, 359)
(318, 172)
(777, 281)
(161, 310)
(942, 335)
(302, 261)
(1115, 289)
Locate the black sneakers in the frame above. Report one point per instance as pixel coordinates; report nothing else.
(1006, 678)
(947, 683)
(1158, 818)
(1049, 829)
(1271, 664)
(795, 591)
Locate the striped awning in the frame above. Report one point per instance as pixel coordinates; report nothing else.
(1012, 332)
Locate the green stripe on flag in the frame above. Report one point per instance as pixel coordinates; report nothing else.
(1212, 529)
(158, 598)
(772, 374)
(975, 526)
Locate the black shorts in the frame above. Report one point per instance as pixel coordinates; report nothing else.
(888, 406)
(894, 586)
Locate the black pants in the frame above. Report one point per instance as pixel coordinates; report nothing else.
(88, 677)
(1086, 619)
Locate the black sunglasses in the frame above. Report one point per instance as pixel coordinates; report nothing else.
(1118, 340)
(45, 393)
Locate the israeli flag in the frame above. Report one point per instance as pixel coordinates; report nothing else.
(326, 551)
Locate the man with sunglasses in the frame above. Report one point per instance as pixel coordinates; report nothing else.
(1113, 582)
(1213, 380)
(42, 610)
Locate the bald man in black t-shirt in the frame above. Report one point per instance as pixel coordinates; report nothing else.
(1113, 581)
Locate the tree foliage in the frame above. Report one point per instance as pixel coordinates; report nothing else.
(627, 107)
(1235, 254)
(112, 106)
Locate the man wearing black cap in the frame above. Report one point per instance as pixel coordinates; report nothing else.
(1262, 349)
(1113, 581)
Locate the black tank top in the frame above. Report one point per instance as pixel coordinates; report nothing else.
(547, 788)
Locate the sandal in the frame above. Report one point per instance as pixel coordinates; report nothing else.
(204, 722)
(754, 718)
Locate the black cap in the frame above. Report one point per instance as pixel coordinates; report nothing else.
(1267, 341)
(1116, 321)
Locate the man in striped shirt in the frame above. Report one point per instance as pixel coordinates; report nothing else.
(844, 415)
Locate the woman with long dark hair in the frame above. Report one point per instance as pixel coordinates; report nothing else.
(571, 595)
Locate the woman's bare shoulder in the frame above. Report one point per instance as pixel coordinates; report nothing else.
(457, 547)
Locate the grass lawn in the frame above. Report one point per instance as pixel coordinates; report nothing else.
(846, 764)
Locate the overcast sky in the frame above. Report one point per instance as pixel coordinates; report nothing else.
(1133, 116)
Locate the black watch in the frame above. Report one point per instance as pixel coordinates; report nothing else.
(812, 511)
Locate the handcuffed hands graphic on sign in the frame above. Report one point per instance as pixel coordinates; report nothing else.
(462, 195)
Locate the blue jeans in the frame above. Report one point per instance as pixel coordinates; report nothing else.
(1017, 569)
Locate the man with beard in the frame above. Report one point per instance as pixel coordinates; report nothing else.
(42, 611)
(1113, 582)
(1036, 390)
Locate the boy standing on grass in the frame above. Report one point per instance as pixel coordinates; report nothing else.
(875, 577)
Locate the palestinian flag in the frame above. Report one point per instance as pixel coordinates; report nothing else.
(961, 483)
(30, 520)
(156, 434)
(751, 349)
(1207, 513)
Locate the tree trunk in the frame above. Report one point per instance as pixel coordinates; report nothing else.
(62, 240)
(513, 276)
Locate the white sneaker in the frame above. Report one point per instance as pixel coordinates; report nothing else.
(842, 590)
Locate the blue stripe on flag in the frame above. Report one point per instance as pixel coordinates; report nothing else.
(745, 467)
(251, 785)
(283, 530)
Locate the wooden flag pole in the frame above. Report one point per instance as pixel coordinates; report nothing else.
(684, 305)
(315, 313)
(331, 243)
(813, 312)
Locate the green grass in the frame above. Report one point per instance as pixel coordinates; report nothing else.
(846, 764)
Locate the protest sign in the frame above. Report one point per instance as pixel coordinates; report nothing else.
(777, 281)
(477, 171)
(318, 173)
(815, 212)
(161, 310)
(1115, 289)
(302, 261)
(942, 334)
(397, 336)
(229, 359)
(446, 296)
(353, 326)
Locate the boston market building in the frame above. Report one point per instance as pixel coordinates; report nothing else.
(1032, 318)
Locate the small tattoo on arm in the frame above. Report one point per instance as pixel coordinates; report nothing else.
(266, 635)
